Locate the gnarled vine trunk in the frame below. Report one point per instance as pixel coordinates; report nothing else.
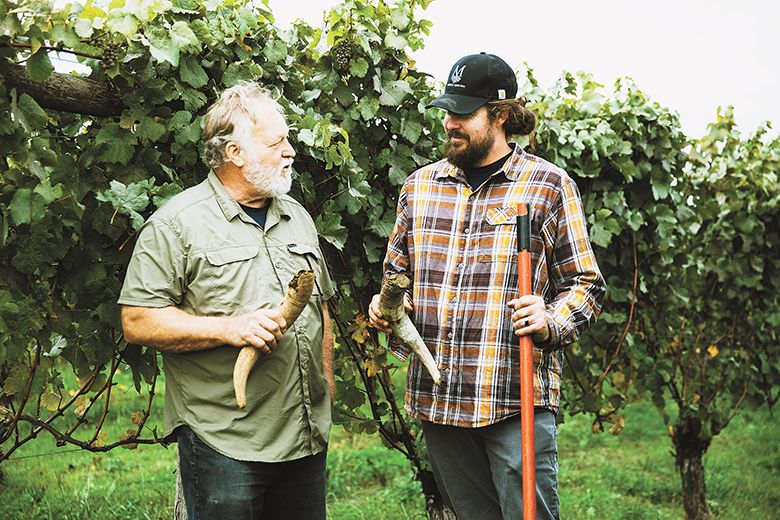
(689, 449)
(65, 92)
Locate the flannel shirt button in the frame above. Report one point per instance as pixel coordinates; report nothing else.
(454, 299)
(467, 231)
(460, 265)
(449, 335)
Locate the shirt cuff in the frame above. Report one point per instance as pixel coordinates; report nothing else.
(554, 340)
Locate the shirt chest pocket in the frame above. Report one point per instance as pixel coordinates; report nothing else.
(231, 255)
(296, 257)
(498, 239)
(501, 216)
(228, 278)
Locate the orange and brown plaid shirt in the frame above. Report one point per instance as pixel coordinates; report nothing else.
(459, 245)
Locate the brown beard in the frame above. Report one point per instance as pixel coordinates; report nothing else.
(473, 153)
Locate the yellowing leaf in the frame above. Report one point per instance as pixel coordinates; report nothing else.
(618, 423)
(100, 441)
(372, 367)
(131, 434)
(712, 350)
(5, 412)
(51, 400)
(16, 380)
(359, 329)
(137, 417)
(81, 402)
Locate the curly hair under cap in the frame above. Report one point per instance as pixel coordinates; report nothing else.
(520, 120)
(229, 119)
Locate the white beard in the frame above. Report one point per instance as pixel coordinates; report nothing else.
(267, 180)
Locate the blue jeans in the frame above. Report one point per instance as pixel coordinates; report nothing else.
(479, 470)
(216, 486)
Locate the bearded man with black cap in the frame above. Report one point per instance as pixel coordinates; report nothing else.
(455, 236)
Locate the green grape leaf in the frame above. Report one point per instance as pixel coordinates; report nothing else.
(192, 73)
(118, 144)
(162, 46)
(331, 229)
(150, 130)
(28, 112)
(39, 65)
(275, 51)
(358, 67)
(123, 23)
(26, 207)
(394, 92)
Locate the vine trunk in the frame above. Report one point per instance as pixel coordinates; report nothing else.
(689, 452)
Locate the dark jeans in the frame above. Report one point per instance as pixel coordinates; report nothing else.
(479, 470)
(216, 486)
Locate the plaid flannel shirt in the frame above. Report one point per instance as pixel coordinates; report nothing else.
(459, 246)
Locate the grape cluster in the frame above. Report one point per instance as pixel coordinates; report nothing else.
(111, 54)
(342, 52)
(111, 50)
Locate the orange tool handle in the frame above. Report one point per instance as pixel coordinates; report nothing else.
(526, 368)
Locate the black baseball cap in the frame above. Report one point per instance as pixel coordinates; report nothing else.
(473, 81)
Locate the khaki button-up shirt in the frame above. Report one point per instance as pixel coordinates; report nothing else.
(203, 254)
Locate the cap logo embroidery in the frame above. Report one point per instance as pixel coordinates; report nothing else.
(457, 74)
(501, 93)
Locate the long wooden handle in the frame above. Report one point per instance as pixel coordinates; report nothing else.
(526, 368)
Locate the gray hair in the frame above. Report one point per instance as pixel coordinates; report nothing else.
(230, 120)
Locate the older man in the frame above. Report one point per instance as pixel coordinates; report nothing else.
(207, 274)
(455, 235)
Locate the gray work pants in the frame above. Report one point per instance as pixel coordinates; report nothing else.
(479, 470)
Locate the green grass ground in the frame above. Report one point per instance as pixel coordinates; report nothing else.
(601, 476)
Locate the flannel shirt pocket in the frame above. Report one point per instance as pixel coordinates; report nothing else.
(500, 216)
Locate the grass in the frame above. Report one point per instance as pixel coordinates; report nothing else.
(601, 476)
(633, 475)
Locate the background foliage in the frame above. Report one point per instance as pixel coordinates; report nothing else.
(685, 229)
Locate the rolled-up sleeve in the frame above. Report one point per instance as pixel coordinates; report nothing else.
(323, 278)
(155, 275)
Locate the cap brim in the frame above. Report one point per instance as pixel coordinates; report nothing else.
(457, 103)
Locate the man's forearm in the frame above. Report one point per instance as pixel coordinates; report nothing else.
(170, 329)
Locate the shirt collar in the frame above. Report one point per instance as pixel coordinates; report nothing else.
(230, 208)
(512, 167)
(447, 169)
